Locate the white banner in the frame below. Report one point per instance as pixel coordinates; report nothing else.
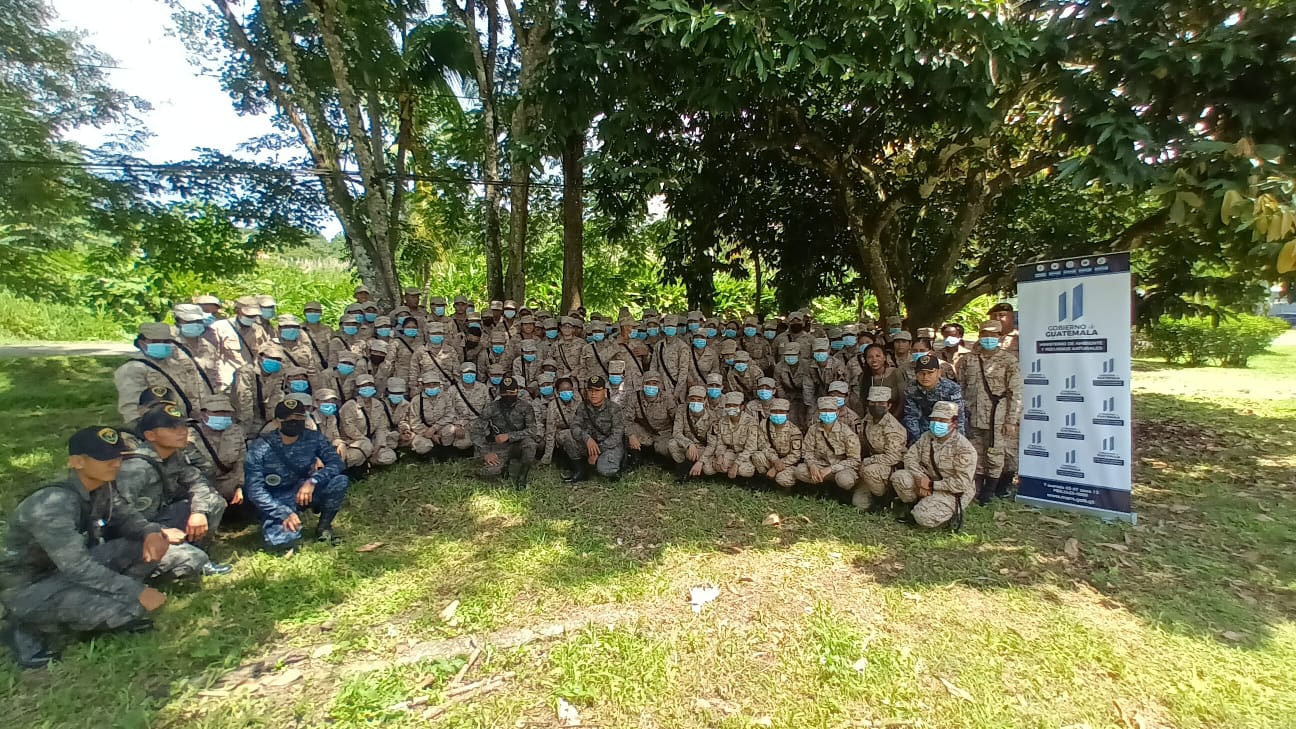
(1077, 429)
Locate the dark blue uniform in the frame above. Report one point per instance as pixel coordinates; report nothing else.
(273, 472)
(919, 402)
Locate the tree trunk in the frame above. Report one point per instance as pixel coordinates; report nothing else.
(519, 215)
(573, 212)
(490, 170)
(759, 308)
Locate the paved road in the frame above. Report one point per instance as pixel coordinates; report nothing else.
(66, 349)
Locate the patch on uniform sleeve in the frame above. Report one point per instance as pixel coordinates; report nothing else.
(273, 480)
(796, 442)
(109, 436)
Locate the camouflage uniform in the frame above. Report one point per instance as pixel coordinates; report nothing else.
(58, 575)
(352, 453)
(919, 402)
(518, 453)
(167, 491)
(745, 381)
(837, 449)
(301, 351)
(700, 363)
(572, 354)
(816, 377)
(883, 443)
(778, 445)
(254, 395)
(790, 380)
(671, 358)
(732, 440)
(992, 390)
(275, 471)
(605, 425)
(558, 423)
(223, 453)
(756, 345)
(363, 424)
(434, 420)
(951, 465)
(690, 429)
(443, 358)
(177, 372)
(651, 419)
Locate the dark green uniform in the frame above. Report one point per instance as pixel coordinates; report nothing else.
(168, 491)
(519, 452)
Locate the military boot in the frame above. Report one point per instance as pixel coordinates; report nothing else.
(904, 513)
(682, 472)
(520, 477)
(28, 646)
(984, 489)
(1004, 486)
(580, 472)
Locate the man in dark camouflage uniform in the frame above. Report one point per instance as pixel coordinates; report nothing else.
(506, 436)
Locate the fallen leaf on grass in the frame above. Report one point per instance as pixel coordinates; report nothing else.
(322, 651)
(283, 678)
(1051, 520)
(1071, 548)
(912, 596)
(1264, 517)
(1179, 508)
(772, 520)
(861, 665)
(448, 612)
(1117, 547)
(370, 547)
(1000, 516)
(567, 714)
(1233, 636)
(957, 692)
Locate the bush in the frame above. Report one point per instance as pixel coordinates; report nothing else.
(1197, 341)
(24, 320)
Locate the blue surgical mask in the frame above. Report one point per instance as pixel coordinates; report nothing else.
(528, 358)
(710, 332)
(841, 402)
(740, 366)
(669, 331)
(566, 395)
(371, 316)
(696, 407)
(694, 326)
(395, 398)
(652, 390)
(862, 346)
(267, 313)
(209, 319)
(952, 341)
(551, 334)
(729, 361)
(915, 356)
(496, 379)
(271, 366)
(193, 329)
(410, 332)
(894, 331)
(990, 343)
(290, 333)
(383, 331)
(616, 379)
(299, 385)
(469, 378)
(827, 418)
(939, 429)
(314, 317)
(699, 343)
(328, 409)
(497, 349)
(509, 313)
(159, 350)
(436, 340)
(654, 331)
(247, 321)
(219, 422)
(836, 345)
(791, 360)
(764, 394)
(849, 340)
(438, 310)
(778, 418)
(714, 392)
(731, 333)
(589, 339)
(431, 391)
(770, 334)
(598, 336)
(821, 357)
(368, 391)
(345, 369)
(350, 330)
(749, 331)
(546, 391)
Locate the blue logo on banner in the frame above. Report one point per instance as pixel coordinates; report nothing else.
(1069, 392)
(1036, 447)
(1070, 431)
(1036, 376)
(1108, 454)
(1036, 410)
(1069, 469)
(1076, 298)
(1108, 378)
(1108, 415)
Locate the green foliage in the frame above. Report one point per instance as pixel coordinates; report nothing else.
(23, 320)
(1198, 340)
(290, 279)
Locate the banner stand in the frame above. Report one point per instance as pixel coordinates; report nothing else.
(1077, 421)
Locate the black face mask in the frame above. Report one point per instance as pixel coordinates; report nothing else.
(292, 428)
(877, 411)
(796, 328)
(508, 401)
(377, 360)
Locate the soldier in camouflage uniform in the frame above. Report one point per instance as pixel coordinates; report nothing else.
(223, 445)
(692, 426)
(251, 335)
(381, 365)
(158, 364)
(434, 418)
(506, 436)
(830, 453)
(936, 483)
(58, 576)
(347, 339)
(820, 372)
(360, 421)
(732, 440)
(441, 353)
(328, 406)
(671, 359)
(297, 346)
(256, 387)
(159, 483)
(319, 332)
(527, 366)
(201, 347)
(703, 359)
(597, 435)
(571, 351)
(778, 445)
(398, 409)
(882, 443)
(650, 418)
(789, 376)
(840, 391)
(991, 380)
(759, 406)
(754, 343)
(743, 376)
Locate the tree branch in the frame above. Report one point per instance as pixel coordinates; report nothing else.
(1134, 235)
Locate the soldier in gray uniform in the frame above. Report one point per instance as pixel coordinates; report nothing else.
(597, 435)
(505, 434)
(163, 486)
(58, 576)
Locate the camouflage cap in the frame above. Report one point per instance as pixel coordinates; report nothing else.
(838, 386)
(652, 376)
(992, 327)
(781, 405)
(944, 409)
(207, 300)
(766, 382)
(288, 320)
(431, 376)
(364, 378)
(697, 391)
(157, 331)
(378, 345)
(396, 384)
(714, 379)
(617, 365)
(902, 336)
(313, 306)
(827, 404)
(732, 397)
(187, 312)
(266, 300)
(217, 404)
(878, 393)
(926, 333)
(325, 393)
(820, 344)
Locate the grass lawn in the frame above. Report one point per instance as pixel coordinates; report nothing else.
(828, 619)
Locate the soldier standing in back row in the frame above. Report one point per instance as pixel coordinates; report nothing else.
(992, 392)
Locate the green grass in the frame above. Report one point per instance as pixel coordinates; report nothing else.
(834, 617)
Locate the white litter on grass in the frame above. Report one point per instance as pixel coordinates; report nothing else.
(700, 595)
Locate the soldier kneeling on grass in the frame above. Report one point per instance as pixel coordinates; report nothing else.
(937, 481)
(58, 575)
(506, 436)
(290, 470)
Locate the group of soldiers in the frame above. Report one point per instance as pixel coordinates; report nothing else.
(275, 413)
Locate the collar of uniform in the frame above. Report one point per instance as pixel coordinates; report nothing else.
(73, 483)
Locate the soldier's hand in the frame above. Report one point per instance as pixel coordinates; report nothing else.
(341, 450)
(634, 443)
(196, 528)
(173, 536)
(696, 470)
(1009, 429)
(501, 438)
(491, 459)
(733, 471)
(151, 599)
(692, 453)
(292, 523)
(237, 498)
(772, 472)
(155, 547)
(592, 448)
(305, 494)
(921, 482)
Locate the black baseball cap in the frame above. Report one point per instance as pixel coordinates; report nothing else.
(289, 407)
(153, 395)
(596, 383)
(99, 442)
(927, 362)
(166, 416)
(509, 385)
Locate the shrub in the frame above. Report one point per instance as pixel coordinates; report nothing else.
(24, 320)
(1197, 341)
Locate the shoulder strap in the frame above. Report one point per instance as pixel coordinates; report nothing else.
(696, 367)
(198, 368)
(175, 387)
(661, 357)
(322, 357)
(290, 357)
(224, 469)
(599, 359)
(931, 454)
